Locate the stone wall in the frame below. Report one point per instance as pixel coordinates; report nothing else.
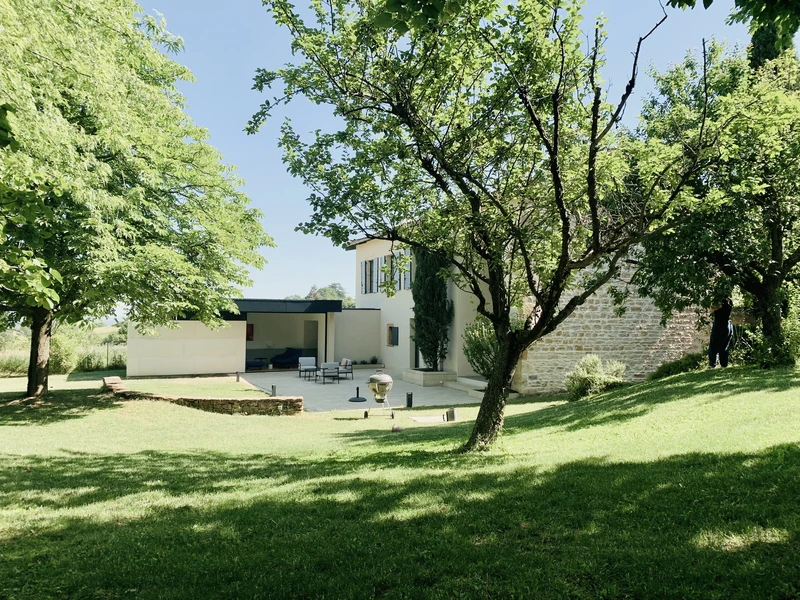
(275, 406)
(637, 339)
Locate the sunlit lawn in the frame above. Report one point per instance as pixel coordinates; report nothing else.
(684, 488)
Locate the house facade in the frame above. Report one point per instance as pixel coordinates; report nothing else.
(382, 326)
(636, 338)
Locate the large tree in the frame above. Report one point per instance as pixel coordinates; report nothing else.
(109, 194)
(781, 15)
(486, 139)
(747, 234)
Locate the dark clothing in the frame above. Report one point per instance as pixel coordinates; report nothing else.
(721, 336)
(721, 316)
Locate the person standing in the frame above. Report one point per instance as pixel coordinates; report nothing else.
(721, 334)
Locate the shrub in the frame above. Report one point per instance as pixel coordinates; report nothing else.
(590, 376)
(480, 346)
(91, 361)
(690, 362)
(374, 360)
(118, 359)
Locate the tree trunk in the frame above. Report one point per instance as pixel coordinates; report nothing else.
(489, 423)
(41, 332)
(769, 308)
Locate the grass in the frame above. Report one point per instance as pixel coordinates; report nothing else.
(688, 487)
(207, 387)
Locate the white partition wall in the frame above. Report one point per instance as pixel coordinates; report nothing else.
(357, 334)
(190, 349)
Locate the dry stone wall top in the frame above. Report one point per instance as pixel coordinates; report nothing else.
(275, 405)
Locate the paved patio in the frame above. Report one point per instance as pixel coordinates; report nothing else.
(334, 396)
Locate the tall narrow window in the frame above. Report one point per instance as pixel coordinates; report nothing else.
(408, 275)
(363, 277)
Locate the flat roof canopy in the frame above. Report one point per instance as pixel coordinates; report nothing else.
(247, 305)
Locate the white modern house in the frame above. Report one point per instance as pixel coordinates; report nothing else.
(382, 325)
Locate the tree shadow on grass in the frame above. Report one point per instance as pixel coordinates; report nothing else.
(617, 406)
(57, 405)
(161, 525)
(94, 375)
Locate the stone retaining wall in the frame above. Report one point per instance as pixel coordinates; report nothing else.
(637, 339)
(275, 406)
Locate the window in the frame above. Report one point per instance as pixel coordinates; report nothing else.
(408, 275)
(392, 335)
(250, 332)
(369, 276)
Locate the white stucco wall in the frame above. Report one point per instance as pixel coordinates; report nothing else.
(190, 349)
(274, 332)
(357, 334)
(396, 311)
(463, 314)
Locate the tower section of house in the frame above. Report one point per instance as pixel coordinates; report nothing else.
(395, 348)
(375, 264)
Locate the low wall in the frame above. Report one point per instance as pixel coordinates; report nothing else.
(274, 406)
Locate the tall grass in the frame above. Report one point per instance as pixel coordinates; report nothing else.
(72, 349)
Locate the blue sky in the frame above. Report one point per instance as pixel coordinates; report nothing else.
(225, 43)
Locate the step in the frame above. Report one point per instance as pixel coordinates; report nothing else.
(457, 385)
(478, 395)
(475, 384)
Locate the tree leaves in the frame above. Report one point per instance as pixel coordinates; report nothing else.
(108, 192)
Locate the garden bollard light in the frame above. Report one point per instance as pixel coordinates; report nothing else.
(274, 391)
(409, 399)
(237, 376)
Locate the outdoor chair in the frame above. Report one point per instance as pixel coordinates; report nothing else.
(306, 366)
(329, 370)
(346, 368)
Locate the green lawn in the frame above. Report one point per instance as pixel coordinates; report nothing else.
(208, 387)
(684, 488)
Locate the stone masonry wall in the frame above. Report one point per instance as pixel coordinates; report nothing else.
(637, 339)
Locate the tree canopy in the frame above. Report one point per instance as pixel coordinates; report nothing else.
(109, 192)
(334, 291)
(745, 236)
(784, 15)
(488, 140)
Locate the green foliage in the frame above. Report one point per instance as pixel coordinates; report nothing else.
(13, 363)
(64, 349)
(110, 194)
(690, 362)
(783, 15)
(334, 291)
(590, 376)
(433, 311)
(480, 346)
(744, 236)
(373, 361)
(120, 336)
